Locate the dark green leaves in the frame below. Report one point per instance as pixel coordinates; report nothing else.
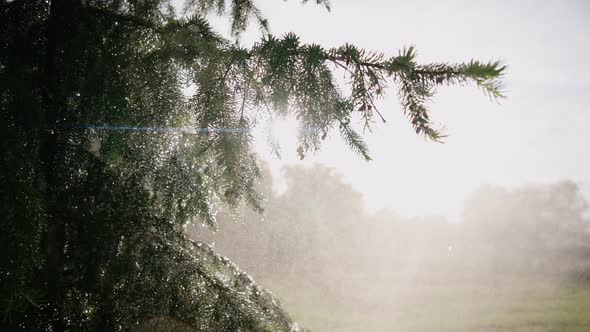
(124, 122)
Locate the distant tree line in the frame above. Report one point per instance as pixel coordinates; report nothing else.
(318, 232)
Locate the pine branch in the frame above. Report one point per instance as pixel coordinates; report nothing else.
(354, 141)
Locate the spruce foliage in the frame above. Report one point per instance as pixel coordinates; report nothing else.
(104, 159)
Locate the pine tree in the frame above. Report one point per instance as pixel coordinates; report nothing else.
(104, 159)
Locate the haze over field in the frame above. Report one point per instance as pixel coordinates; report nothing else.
(372, 248)
(141, 188)
(520, 261)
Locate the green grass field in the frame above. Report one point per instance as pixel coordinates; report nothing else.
(457, 308)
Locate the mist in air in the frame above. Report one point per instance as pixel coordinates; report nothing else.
(519, 260)
(375, 165)
(487, 232)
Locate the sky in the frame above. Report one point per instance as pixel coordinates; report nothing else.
(538, 134)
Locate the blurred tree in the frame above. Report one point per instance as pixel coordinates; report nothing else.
(542, 227)
(104, 160)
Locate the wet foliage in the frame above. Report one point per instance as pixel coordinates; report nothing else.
(105, 159)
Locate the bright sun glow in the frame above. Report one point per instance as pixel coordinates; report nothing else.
(284, 131)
